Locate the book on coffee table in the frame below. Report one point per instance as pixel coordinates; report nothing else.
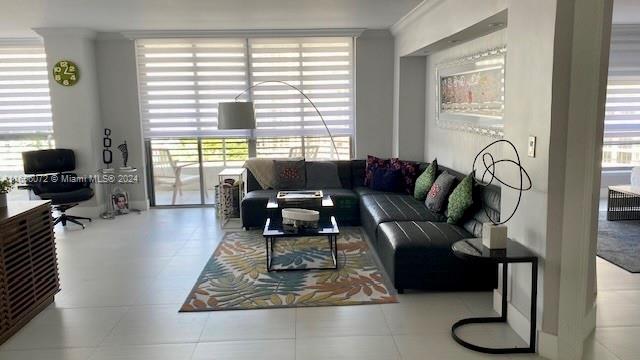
(311, 198)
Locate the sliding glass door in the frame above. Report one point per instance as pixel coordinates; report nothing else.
(185, 171)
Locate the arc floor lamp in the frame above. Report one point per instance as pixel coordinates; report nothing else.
(241, 115)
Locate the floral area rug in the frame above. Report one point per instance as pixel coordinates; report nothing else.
(236, 276)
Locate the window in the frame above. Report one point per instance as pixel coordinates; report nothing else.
(25, 105)
(181, 82)
(622, 123)
(622, 115)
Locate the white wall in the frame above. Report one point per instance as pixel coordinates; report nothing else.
(409, 112)
(75, 109)
(539, 46)
(374, 93)
(119, 108)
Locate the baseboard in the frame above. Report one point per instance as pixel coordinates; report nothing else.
(139, 205)
(589, 322)
(86, 211)
(518, 322)
(548, 345)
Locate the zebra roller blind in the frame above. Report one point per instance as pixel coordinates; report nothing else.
(25, 105)
(181, 82)
(622, 117)
(321, 67)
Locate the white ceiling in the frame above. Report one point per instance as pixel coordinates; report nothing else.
(19, 16)
(626, 11)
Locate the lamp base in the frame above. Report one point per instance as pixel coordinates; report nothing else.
(494, 236)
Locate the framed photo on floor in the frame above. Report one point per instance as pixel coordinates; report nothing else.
(120, 201)
(470, 93)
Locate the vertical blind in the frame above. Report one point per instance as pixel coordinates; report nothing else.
(25, 105)
(181, 82)
(622, 116)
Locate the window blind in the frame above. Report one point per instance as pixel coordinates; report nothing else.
(181, 82)
(321, 67)
(25, 105)
(622, 116)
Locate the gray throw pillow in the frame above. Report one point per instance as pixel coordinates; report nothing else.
(439, 192)
(322, 175)
(290, 175)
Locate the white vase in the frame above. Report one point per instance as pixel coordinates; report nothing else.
(3, 200)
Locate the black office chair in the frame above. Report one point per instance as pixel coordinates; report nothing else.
(51, 180)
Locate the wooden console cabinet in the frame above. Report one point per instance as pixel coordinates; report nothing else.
(28, 264)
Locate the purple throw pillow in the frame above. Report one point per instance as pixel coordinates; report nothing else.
(409, 171)
(373, 163)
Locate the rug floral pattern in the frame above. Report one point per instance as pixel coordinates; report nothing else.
(236, 276)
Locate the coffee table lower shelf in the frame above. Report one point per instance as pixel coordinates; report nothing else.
(271, 233)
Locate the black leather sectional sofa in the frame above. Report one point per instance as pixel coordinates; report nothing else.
(412, 242)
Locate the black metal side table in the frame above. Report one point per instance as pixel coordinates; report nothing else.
(473, 250)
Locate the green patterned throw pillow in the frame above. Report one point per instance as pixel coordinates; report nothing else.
(425, 181)
(460, 199)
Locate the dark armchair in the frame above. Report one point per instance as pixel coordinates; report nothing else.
(51, 179)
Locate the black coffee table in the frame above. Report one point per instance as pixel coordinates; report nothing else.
(473, 250)
(273, 229)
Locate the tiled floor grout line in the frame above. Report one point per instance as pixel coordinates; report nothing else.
(114, 327)
(607, 348)
(92, 249)
(617, 326)
(393, 336)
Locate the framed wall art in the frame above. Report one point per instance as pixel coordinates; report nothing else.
(470, 93)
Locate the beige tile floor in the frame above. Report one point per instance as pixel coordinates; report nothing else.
(124, 280)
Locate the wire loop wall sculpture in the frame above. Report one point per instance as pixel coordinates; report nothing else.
(489, 163)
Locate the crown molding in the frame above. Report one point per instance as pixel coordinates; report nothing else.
(376, 34)
(70, 32)
(167, 34)
(417, 12)
(21, 41)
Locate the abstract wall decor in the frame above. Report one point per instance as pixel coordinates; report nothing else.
(470, 93)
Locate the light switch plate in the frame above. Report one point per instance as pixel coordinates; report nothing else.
(532, 146)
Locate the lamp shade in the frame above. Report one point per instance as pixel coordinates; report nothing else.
(236, 116)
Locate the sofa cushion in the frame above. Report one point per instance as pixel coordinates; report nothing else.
(322, 175)
(398, 207)
(417, 254)
(290, 174)
(412, 239)
(425, 181)
(254, 204)
(439, 193)
(379, 208)
(486, 199)
(346, 207)
(387, 180)
(364, 190)
(374, 163)
(409, 171)
(357, 173)
(460, 200)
